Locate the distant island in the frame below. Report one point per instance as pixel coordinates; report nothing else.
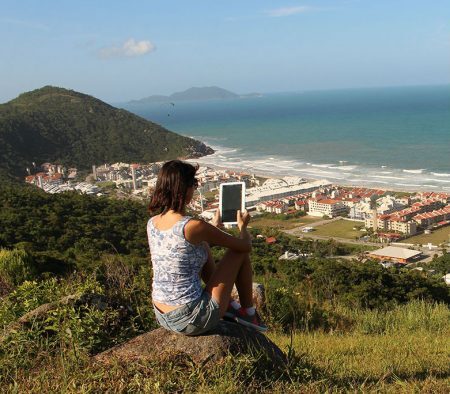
(195, 94)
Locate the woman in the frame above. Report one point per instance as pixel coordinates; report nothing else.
(179, 246)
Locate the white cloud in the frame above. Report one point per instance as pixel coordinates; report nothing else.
(287, 11)
(129, 48)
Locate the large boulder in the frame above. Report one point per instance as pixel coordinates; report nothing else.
(226, 339)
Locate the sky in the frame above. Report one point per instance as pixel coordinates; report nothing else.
(119, 50)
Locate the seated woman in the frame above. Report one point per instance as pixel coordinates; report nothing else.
(179, 247)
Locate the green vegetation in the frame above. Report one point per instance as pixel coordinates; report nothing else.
(437, 237)
(345, 325)
(404, 348)
(339, 229)
(63, 126)
(70, 229)
(440, 264)
(16, 266)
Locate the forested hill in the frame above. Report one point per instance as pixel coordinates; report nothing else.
(63, 126)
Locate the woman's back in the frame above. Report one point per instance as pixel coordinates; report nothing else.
(176, 263)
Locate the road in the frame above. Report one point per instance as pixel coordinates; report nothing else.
(297, 231)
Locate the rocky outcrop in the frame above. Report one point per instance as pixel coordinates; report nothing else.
(226, 339)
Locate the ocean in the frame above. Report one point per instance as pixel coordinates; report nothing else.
(396, 137)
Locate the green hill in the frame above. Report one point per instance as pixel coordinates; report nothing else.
(63, 126)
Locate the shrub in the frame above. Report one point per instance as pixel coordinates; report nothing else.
(16, 266)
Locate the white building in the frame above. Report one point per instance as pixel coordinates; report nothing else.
(385, 205)
(274, 189)
(328, 207)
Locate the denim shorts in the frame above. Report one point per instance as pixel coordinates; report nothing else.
(194, 318)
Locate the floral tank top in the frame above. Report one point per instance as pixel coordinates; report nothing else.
(176, 264)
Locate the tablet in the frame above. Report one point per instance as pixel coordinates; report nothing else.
(231, 199)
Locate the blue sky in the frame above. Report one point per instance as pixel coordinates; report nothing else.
(121, 50)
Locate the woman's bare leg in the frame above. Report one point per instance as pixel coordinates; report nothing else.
(233, 268)
(209, 267)
(244, 283)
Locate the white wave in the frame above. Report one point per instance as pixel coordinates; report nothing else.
(284, 167)
(383, 182)
(321, 165)
(419, 171)
(319, 172)
(438, 180)
(440, 174)
(429, 186)
(289, 161)
(385, 177)
(383, 166)
(343, 168)
(385, 172)
(408, 184)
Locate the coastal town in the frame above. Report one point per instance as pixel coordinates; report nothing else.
(381, 215)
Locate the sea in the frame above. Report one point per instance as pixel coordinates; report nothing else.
(390, 138)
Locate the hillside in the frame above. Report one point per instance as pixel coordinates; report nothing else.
(59, 125)
(191, 94)
(75, 280)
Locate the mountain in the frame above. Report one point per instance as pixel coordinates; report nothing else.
(63, 126)
(191, 94)
(206, 93)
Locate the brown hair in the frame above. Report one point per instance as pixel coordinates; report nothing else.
(174, 179)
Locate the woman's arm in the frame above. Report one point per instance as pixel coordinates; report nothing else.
(197, 231)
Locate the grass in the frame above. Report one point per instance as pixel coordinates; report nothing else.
(319, 362)
(290, 223)
(436, 237)
(106, 185)
(404, 350)
(339, 229)
(367, 362)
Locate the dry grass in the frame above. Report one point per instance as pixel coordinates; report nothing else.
(319, 363)
(436, 237)
(288, 224)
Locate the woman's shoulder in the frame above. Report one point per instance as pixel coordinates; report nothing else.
(194, 226)
(192, 222)
(150, 221)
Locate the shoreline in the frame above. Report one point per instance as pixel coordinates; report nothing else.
(204, 162)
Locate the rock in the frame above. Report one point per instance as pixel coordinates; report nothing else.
(78, 300)
(227, 338)
(259, 295)
(43, 309)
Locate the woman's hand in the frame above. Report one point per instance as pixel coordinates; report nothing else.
(242, 219)
(217, 220)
